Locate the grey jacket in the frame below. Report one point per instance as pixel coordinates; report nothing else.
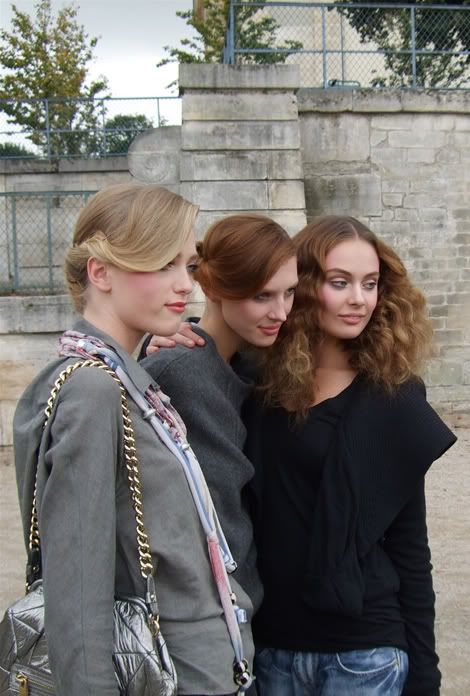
(209, 395)
(88, 534)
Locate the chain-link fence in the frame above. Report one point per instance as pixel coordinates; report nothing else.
(35, 230)
(340, 44)
(65, 127)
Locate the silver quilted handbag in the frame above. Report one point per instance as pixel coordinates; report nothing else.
(142, 664)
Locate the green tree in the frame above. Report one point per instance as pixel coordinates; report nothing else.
(253, 30)
(44, 84)
(121, 130)
(14, 150)
(435, 30)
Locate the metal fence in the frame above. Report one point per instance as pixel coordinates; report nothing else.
(341, 44)
(66, 127)
(35, 230)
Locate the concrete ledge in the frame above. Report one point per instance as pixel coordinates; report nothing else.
(77, 165)
(219, 77)
(36, 314)
(383, 101)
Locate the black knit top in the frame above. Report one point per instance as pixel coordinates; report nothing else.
(340, 525)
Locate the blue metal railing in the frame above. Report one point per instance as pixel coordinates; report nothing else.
(35, 230)
(367, 44)
(99, 127)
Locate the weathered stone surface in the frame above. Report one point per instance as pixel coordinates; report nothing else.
(230, 165)
(154, 156)
(359, 195)
(227, 195)
(240, 106)
(240, 135)
(222, 77)
(340, 137)
(41, 314)
(286, 195)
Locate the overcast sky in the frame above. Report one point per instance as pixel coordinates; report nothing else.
(133, 33)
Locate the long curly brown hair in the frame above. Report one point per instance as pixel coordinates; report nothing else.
(389, 351)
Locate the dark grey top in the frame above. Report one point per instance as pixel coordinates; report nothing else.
(209, 394)
(88, 534)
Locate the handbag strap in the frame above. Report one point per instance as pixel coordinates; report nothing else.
(135, 487)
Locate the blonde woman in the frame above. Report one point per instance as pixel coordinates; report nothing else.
(129, 271)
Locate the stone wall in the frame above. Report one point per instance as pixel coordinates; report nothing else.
(400, 161)
(251, 142)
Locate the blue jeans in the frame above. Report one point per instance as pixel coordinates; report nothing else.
(375, 672)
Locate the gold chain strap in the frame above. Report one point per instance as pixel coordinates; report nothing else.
(132, 465)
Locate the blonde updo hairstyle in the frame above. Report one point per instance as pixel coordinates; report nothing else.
(135, 227)
(240, 254)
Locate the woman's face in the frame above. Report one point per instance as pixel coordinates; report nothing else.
(257, 320)
(349, 292)
(153, 301)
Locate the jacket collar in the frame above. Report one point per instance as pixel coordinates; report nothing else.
(138, 375)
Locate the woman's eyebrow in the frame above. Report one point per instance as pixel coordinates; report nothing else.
(347, 273)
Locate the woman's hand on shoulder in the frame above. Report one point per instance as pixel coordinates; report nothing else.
(185, 336)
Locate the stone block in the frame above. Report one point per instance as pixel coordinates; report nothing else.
(440, 372)
(462, 123)
(434, 215)
(421, 200)
(286, 195)
(422, 122)
(227, 195)
(291, 220)
(445, 122)
(38, 314)
(15, 375)
(324, 100)
(240, 106)
(421, 154)
(36, 349)
(387, 156)
(256, 135)
(400, 185)
(343, 137)
(285, 164)
(406, 214)
(224, 166)
(376, 101)
(392, 199)
(98, 164)
(412, 139)
(247, 77)
(378, 137)
(354, 195)
(154, 156)
(428, 184)
(390, 123)
(459, 139)
(7, 410)
(435, 101)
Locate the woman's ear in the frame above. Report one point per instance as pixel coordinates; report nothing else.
(98, 274)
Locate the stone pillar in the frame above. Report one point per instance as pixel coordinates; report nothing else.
(240, 142)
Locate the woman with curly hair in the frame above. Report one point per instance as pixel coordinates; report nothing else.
(341, 438)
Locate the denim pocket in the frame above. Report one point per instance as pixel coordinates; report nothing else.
(371, 661)
(273, 659)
